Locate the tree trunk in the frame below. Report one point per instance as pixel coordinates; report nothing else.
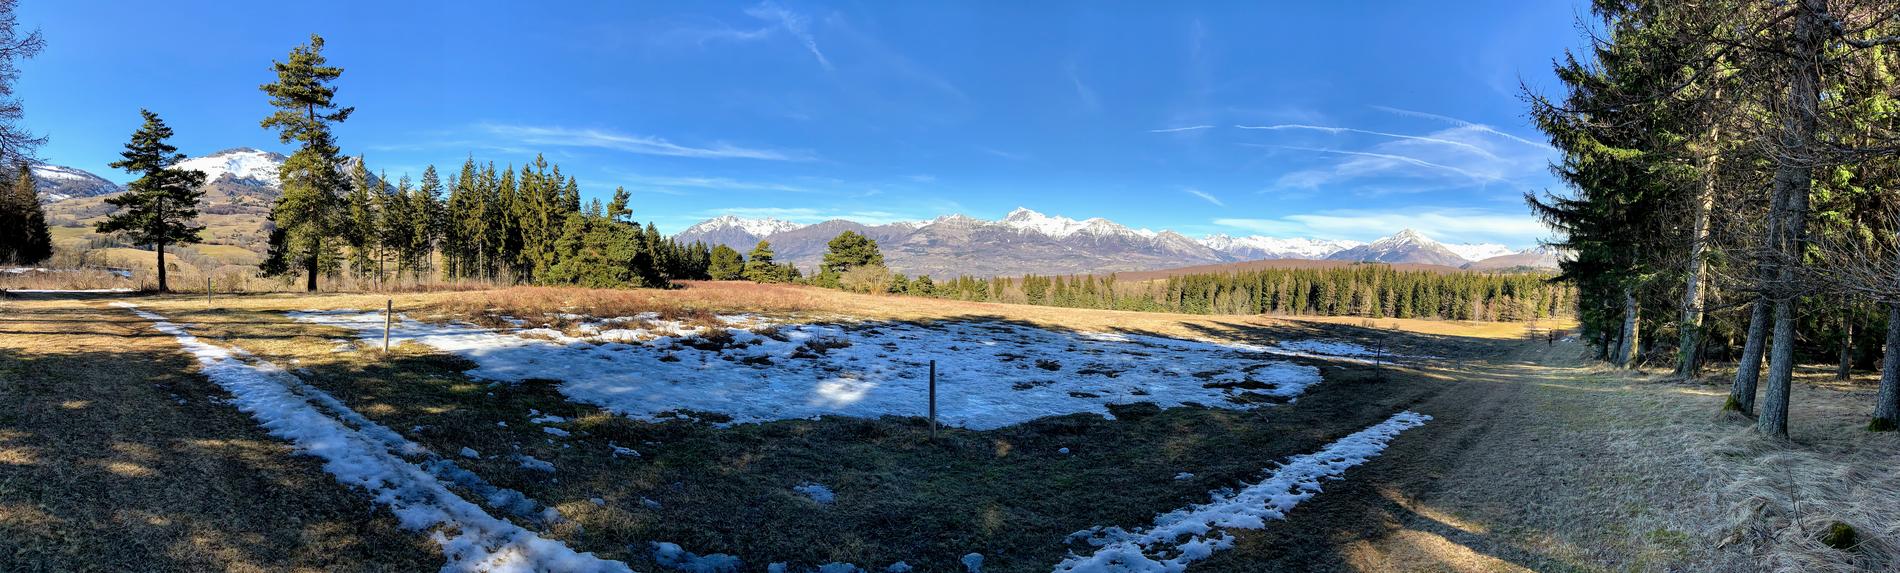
(161, 245)
(1688, 357)
(1741, 396)
(310, 276)
(1847, 348)
(161, 267)
(1795, 174)
(1887, 405)
(1628, 350)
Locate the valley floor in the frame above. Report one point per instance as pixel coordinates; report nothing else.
(117, 452)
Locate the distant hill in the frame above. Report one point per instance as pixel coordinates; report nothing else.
(240, 187)
(57, 183)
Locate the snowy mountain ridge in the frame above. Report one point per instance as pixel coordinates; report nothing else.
(241, 163)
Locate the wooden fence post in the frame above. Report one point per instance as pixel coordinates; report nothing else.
(933, 399)
(207, 290)
(389, 318)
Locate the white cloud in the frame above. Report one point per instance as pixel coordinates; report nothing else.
(1083, 92)
(793, 23)
(1463, 123)
(1457, 144)
(1205, 196)
(642, 144)
(1451, 224)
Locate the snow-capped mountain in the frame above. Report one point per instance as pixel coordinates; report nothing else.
(1058, 227)
(1406, 246)
(1532, 258)
(1257, 247)
(1478, 251)
(241, 164)
(1026, 241)
(58, 183)
(758, 227)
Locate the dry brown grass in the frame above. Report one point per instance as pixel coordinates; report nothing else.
(1752, 503)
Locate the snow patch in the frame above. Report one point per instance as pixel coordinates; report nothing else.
(1195, 532)
(990, 374)
(362, 454)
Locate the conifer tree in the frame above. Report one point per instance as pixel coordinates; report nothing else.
(727, 264)
(158, 208)
(308, 215)
(760, 267)
(24, 238)
(428, 221)
(362, 226)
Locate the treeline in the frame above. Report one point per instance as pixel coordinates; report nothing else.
(501, 225)
(853, 262)
(1734, 190)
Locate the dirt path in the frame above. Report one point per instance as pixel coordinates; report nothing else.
(116, 456)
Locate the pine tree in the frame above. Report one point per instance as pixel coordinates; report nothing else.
(24, 238)
(362, 225)
(429, 220)
(727, 264)
(850, 250)
(760, 267)
(158, 208)
(309, 213)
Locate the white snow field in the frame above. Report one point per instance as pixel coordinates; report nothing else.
(363, 454)
(990, 374)
(1194, 533)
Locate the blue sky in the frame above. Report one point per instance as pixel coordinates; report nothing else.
(1320, 119)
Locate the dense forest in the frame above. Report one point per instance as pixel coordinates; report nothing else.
(1732, 169)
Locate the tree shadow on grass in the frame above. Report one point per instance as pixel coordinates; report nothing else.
(116, 456)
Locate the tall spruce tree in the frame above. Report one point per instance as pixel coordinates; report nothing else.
(24, 238)
(157, 209)
(309, 215)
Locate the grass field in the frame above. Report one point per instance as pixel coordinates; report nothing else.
(1534, 459)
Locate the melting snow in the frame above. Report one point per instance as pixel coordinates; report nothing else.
(817, 492)
(363, 454)
(990, 374)
(1196, 532)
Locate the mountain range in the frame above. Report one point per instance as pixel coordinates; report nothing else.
(241, 184)
(1025, 241)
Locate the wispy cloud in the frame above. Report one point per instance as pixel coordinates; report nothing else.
(1452, 224)
(1083, 92)
(1462, 123)
(1392, 157)
(1180, 129)
(775, 18)
(1010, 155)
(1205, 196)
(792, 22)
(1457, 144)
(642, 144)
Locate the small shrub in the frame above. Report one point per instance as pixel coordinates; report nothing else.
(1841, 536)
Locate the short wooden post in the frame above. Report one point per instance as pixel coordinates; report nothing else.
(389, 318)
(207, 291)
(933, 399)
